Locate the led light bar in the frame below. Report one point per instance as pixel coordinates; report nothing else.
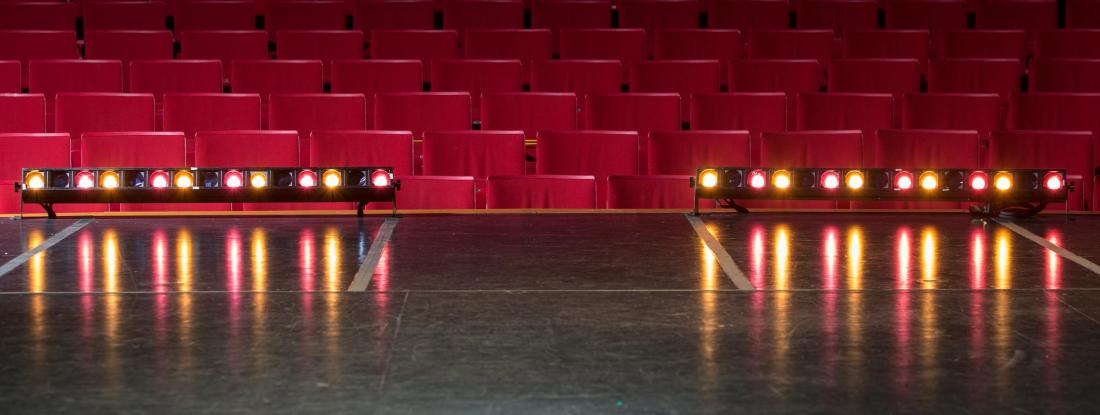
(362, 185)
(998, 189)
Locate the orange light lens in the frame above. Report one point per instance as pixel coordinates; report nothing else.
(781, 179)
(257, 179)
(108, 180)
(331, 178)
(854, 179)
(35, 180)
(1002, 181)
(929, 181)
(184, 179)
(708, 178)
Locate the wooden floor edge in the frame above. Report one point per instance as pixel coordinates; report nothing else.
(377, 213)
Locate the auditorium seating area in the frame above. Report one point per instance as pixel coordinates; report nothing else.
(551, 103)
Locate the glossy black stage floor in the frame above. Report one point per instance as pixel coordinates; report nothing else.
(600, 313)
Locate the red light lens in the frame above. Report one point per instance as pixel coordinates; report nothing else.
(830, 179)
(307, 178)
(903, 180)
(757, 179)
(979, 180)
(159, 179)
(233, 179)
(1053, 181)
(85, 180)
(380, 178)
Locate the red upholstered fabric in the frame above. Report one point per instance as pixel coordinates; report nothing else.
(323, 45)
(747, 15)
(239, 149)
(1071, 150)
(194, 112)
(11, 75)
(755, 112)
(49, 77)
(983, 44)
(596, 153)
(682, 152)
(888, 76)
(159, 77)
(473, 153)
(482, 14)
(525, 45)
(25, 45)
(652, 15)
(425, 45)
(128, 46)
(306, 113)
(682, 77)
(306, 15)
(1064, 75)
(1082, 14)
(422, 111)
(38, 16)
(996, 76)
(1065, 112)
(981, 112)
(924, 149)
(1068, 44)
(792, 44)
(125, 15)
(838, 16)
(888, 44)
(846, 111)
(570, 14)
(276, 77)
(18, 151)
(1030, 15)
(541, 192)
(214, 15)
(369, 77)
(641, 112)
(530, 112)
(363, 148)
(225, 45)
(788, 76)
(649, 192)
(723, 45)
(581, 77)
(477, 77)
(22, 113)
(627, 45)
(939, 15)
(393, 15)
(133, 149)
(810, 149)
(78, 113)
(433, 192)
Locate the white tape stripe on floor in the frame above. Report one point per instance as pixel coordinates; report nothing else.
(724, 259)
(53, 240)
(1065, 253)
(370, 261)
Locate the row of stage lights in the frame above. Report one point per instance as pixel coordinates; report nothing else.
(206, 178)
(899, 180)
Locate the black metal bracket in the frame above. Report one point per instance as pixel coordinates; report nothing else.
(48, 207)
(994, 210)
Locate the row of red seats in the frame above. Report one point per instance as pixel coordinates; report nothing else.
(474, 14)
(576, 169)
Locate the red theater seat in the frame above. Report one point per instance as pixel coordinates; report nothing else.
(78, 113)
(194, 112)
(276, 77)
(214, 15)
(846, 111)
(363, 148)
(306, 15)
(570, 14)
(393, 15)
(983, 44)
(140, 149)
(50, 77)
(464, 15)
(581, 77)
(246, 149)
(682, 77)
(788, 76)
(838, 16)
(626, 45)
(888, 44)
(1082, 14)
(22, 113)
(593, 153)
(128, 46)
(477, 77)
(38, 16)
(792, 44)
(473, 153)
(798, 149)
(525, 45)
(11, 75)
(225, 45)
(639, 112)
(159, 77)
(125, 15)
(369, 77)
(1064, 75)
(425, 45)
(682, 152)
(323, 45)
(422, 111)
(1068, 44)
(649, 192)
(652, 15)
(994, 76)
(981, 112)
(19, 151)
(27, 45)
(888, 76)
(724, 46)
(1029, 15)
(931, 15)
(530, 112)
(541, 192)
(749, 15)
(923, 149)
(1070, 150)
(306, 113)
(755, 112)
(434, 192)
(1064, 112)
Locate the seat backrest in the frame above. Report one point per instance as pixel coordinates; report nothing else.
(323, 45)
(1029, 15)
(888, 76)
(887, 44)
(838, 16)
(788, 76)
(363, 148)
(477, 76)
(981, 112)
(425, 45)
(159, 77)
(652, 15)
(473, 153)
(436, 192)
(1054, 111)
(239, 149)
(26, 45)
(50, 77)
(627, 45)
(723, 45)
(641, 112)
(682, 152)
(840, 148)
(792, 44)
(394, 15)
(31, 150)
(133, 149)
(650, 192)
(78, 113)
(1082, 14)
(596, 153)
(541, 192)
(983, 44)
(306, 15)
(422, 111)
(372, 76)
(529, 111)
(755, 112)
(1064, 75)
(276, 77)
(926, 148)
(194, 112)
(748, 15)
(306, 113)
(940, 15)
(11, 76)
(681, 77)
(38, 16)
(214, 15)
(997, 76)
(1070, 150)
(225, 45)
(526, 45)
(22, 113)
(1068, 44)
(463, 15)
(581, 77)
(845, 111)
(565, 14)
(125, 15)
(128, 45)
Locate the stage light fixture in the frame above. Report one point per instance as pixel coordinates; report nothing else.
(1053, 181)
(233, 179)
(35, 179)
(979, 180)
(709, 178)
(108, 180)
(257, 179)
(929, 180)
(855, 180)
(903, 180)
(380, 178)
(830, 179)
(758, 179)
(85, 179)
(1002, 181)
(185, 179)
(781, 179)
(307, 178)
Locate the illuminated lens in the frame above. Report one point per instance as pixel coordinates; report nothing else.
(108, 180)
(1002, 181)
(257, 179)
(781, 179)
(159, 179)
(35, 180)
(307, 178)
(233, 179)
(331, 178)
(929, 181)
(979, 180)
(85, 180)
(708, 178)
(757, 179)
(830, 179)
(1053, 181)
(183, 179)
(854, 179)
(903, 180)
(381, 178)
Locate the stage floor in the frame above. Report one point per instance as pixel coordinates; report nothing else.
(550, 313)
